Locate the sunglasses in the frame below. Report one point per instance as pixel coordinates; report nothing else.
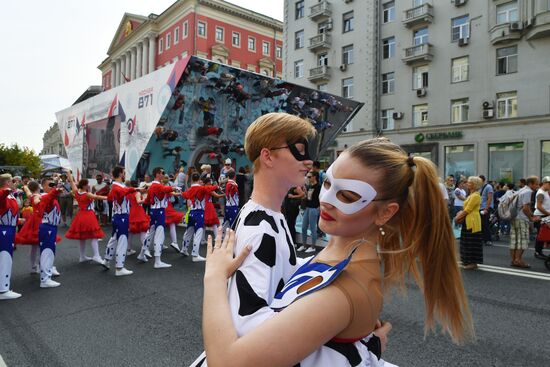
(309, 176)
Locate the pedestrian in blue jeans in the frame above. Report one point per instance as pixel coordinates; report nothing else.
(311, 213)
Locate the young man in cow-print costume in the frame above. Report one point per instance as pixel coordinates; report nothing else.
(261, 225)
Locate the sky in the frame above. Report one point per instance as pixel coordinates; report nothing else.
(50, 53)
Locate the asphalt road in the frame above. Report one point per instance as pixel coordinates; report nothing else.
(153, 318)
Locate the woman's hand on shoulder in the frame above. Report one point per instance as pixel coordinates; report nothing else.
(220, 263)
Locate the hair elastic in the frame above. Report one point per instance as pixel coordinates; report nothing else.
(410, 161)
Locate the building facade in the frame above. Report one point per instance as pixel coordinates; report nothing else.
(464, 83)
(332, 46)
(212, 29)
(52, 142)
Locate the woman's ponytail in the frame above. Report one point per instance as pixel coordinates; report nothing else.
(419, 238)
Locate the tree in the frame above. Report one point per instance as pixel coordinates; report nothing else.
(15, 155)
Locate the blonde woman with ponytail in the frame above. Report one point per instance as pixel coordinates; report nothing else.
(380, 207)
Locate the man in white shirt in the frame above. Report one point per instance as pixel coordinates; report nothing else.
(542, 209)
(519, 233)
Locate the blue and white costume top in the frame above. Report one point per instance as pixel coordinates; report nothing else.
(121, 204)
(231, 193)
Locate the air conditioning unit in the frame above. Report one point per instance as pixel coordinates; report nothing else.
(488, 105)
(459, 2)
(344, 67)
(463, 41)
(329, 25)
(489, 113)
(516, 26)
(397, 115)
(421, 92)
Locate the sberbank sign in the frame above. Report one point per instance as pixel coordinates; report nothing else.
(420, 137)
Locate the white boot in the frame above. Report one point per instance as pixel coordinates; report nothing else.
(198, 258)
(159, 264)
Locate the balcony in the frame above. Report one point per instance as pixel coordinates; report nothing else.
(319, 74)
(420, 15)
(539, 27)
(320, 42)
(505, 32)
(418, 53)
(320, 11)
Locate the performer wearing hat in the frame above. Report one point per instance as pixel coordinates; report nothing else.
(8, 221)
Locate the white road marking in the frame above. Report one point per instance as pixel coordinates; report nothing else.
(515, 272)
(2, 363)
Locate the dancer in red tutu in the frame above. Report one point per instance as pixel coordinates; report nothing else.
(173, 218)
(28, 235)
(139, 220)
(85, 225)
(210, 216)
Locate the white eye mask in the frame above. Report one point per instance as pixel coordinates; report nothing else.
(363, 189)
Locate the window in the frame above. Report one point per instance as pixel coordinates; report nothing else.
(420, 36)
(506, 161)
(460, 160)
(388, 83)
(420, 115)
(387, 122)
(347, 88)
(185, 29)
(161, 45)
(322, 87)
(236, 39)
(388, 14)
(219, 34)
(507, 60)
(279, 52)
(507, 105)
(507, 12)
(460, 69)
(418, 3)
(323, 59)
(348, 22)
(420, 77)
(176, 35)
(252, 43)
(265, 48)
(460, 28)
(324, 26)
(299, 69)
(460, 109)
(347, 55)
(388, 48)
(299, 9)
(168, 39)
(299, 39)
(201, 29)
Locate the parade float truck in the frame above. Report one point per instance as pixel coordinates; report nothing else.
(188, 113)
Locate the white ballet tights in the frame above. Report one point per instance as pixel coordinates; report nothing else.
(35, 249)
(173, 235)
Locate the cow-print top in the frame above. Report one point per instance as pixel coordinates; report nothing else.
(265, 271)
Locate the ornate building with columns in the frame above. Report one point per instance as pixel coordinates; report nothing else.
(212, 29)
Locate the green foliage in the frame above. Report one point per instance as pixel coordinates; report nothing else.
(15, 155)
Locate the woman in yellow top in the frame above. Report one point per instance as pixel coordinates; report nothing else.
(471, 245)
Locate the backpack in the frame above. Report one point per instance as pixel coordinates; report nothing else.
(508, 207)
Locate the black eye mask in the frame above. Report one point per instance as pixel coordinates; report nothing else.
(296, 154)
